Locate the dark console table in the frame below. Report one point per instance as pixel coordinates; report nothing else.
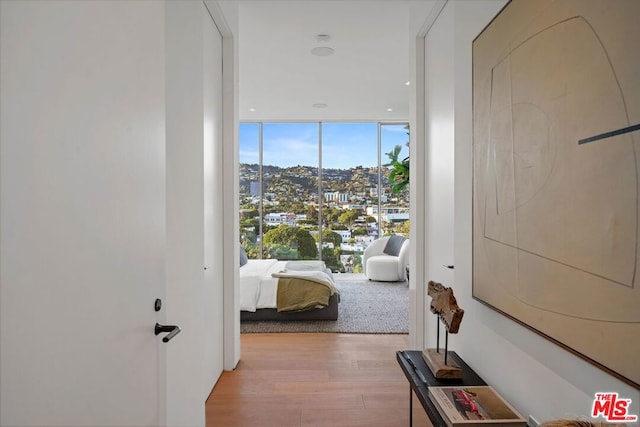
(420, 379)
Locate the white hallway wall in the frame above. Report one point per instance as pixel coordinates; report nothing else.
(227, 18)
(193, 164)
(538, 377)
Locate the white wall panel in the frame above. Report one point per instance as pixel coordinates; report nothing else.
(194, 100)
(537, 376)
(439, 122)
(213, 203)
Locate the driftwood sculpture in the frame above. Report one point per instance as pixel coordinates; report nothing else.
(444, 304)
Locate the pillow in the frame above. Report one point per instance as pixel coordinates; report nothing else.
(394, 244)
(243, 256)
(306, 265)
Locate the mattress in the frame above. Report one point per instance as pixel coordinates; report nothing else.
(259, 289)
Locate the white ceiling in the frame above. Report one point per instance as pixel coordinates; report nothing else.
(365, 76)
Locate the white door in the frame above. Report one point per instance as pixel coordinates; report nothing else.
(83, 214)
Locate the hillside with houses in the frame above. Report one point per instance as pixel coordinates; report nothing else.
(347, 212)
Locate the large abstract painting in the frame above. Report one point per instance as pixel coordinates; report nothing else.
(556, 87)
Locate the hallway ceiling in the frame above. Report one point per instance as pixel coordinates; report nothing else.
(364, 77)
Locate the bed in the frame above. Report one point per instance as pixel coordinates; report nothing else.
(287, 290)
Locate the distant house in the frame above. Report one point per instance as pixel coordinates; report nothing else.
(345, 234)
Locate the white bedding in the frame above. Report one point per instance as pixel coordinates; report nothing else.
(258, 287)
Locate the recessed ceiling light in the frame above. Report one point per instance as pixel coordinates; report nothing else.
(252, 109)
(407, 83)
(389, 109)
(319, 105)
(321, 51)
(323, 38)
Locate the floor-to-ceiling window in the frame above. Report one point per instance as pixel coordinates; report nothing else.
(251, 189)
(290, 160)
(350, 166)
(319, 190)
(394, 205)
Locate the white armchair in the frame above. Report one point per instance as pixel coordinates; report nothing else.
(386, 262)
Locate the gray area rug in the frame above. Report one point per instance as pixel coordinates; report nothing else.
(366, 307)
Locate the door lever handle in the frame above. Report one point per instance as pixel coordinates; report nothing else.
(172, 329)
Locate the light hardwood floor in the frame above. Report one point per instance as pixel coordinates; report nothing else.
(315, 380)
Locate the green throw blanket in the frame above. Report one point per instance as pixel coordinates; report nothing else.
(301, 291)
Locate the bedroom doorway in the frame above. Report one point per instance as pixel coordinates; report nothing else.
(322, 191)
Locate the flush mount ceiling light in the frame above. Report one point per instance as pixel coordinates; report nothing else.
(321, 51)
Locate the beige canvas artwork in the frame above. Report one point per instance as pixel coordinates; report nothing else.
(556, 235)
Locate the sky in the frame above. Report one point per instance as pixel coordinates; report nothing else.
(344, 145)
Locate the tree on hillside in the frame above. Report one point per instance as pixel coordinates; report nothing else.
(357, 263)
(295, 207)
(253, 251)
(251, 224)
(330, 215)
(329, 236)
(249, 213)
(281, 252)
(359, 231)
(403, 228)
(350, 216)
(312, 213)
(285, 236)
(331, 259)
